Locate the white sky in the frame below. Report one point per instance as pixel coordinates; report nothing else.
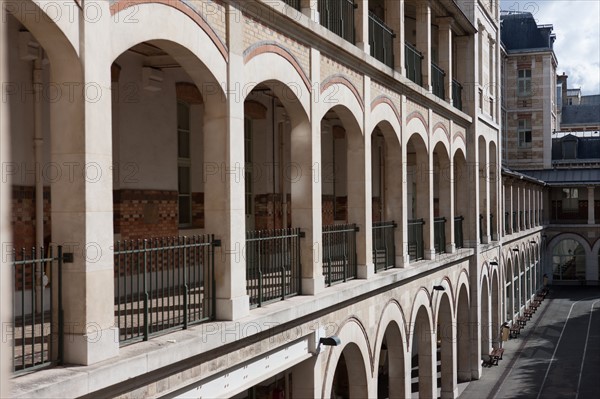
(577, 28)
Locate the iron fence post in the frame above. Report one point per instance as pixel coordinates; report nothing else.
(146, 326)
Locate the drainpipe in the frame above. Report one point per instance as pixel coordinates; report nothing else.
(38, 145)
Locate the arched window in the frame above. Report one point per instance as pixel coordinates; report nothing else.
(568, 261)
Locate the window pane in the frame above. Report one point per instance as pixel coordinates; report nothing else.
(184, 180)
(185, 214)
(183, 144)
(183, 116)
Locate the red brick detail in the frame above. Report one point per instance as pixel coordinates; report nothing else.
(342, 80)
(440, 125)
(417, 114)
(145, 213)
(268, 211)
(121, 5)
(22, 217)
(327, 209)
(198, 210)
(188, 93)
(276, 48)
(386, 100)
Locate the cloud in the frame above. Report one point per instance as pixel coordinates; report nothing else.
(577, 29)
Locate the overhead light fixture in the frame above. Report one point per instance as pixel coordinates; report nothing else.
(439, 288)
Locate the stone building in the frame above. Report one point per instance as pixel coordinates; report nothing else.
(552, 153)
(256, 199)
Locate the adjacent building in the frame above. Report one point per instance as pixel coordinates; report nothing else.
(264, 198)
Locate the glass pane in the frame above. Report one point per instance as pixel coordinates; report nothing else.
(185, 210)
(183, 116)
(183, 144)
(184, 180)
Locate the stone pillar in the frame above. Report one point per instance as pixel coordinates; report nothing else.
(395, 19)
(424, 41)
(225, 193)
(591, 215)
(82, 205)
(445, 50)
(360, 191)
(6, 270)
(425, 199)
(446, 204)
(402, 251)
(484, 188)
(310, 9)
(361, 25)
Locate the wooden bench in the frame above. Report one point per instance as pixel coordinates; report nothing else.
(496, 355)
(515, 330)
(522, 321)
(528, 313)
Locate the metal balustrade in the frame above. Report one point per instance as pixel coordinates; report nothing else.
(339, 253)
(457, 94)
(384, 245)
(437, 81)
(338, 17)
(491, 227)
(163, 284)
(515, 223)
(412, 63)
(272, 265)
(458, 232)
(381, 40)
(293, 3)
(480, 228)
(439, 233)
(37, 321)
(416, 251)
(507, 223)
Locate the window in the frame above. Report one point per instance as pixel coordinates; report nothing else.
(569, 147)
(248, 166)
(184, 164)
(568, 261)
(524, 133)
(570, 202)
(524, 82)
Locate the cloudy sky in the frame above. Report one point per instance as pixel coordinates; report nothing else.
(577, 28)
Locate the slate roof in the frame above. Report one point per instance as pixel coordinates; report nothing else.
(519, 31)
(580, 115)
(587, 147)
(565, 177)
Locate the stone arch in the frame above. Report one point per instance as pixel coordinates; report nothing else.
(178, 34)
(392, 327)
(383, 109)
(340, 97)
(416, 125)
(463, 338)
(590, 256)
(446, 339)
(353, 335)
(440, 135)
(421, 339)
(458, 144)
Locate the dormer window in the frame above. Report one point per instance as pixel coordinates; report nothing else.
(569, 148)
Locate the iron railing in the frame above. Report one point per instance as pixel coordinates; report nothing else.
(412, 63)
(480, 228)
(457, 94)
(491, 227)
(163, 284)
(37, 309)
(507, 223)
(384, 245)
(416, 251)
(515, 226)
(437, 81)
(459, 238)
(527, 223)
(293, 3)
(381, 40)
(521, 220)
(272, 265)
(439, 234)
(339, 253)
(338, 17)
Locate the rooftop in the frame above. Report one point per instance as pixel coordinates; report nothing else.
(520, 31)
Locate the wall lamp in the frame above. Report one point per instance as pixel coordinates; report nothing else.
(516, 249)
(439, 288)
(330, 341)
(532, 242)
(494, 263)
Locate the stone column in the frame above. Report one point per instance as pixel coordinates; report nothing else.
(449, 177)
(402, 251)
(82, 201)
(6, 270)
(445, 50)
(424, 41)
(425, 198)
(310, 9)
(395, 19)
(484, 187)
(591, 215)
(361, 25)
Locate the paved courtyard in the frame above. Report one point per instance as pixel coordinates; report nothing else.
(557, 355)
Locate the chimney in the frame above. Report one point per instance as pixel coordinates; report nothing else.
(563, 79)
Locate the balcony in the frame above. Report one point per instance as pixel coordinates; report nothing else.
(272, 265)
(339, 253)
(416, 251)
(381, 40)
(439, 232)
(560, 215)
(338, 17)
(293, 3)
(457, 94)
(412, 63)
(384, 245)
(458, 232)
(437, 81)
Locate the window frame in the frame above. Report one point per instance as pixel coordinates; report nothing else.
(524, 82)
(524, 128)
(184, 162)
